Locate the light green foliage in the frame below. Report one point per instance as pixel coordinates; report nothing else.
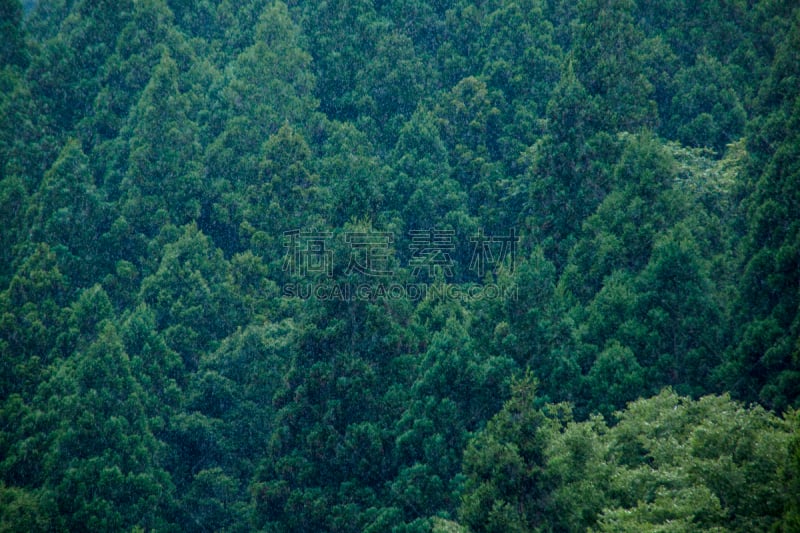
(668, 464)
(707, 464)
(22, 511)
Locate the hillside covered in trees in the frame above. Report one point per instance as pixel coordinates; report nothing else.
(400, 266)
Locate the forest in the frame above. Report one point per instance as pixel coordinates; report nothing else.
(404, 266)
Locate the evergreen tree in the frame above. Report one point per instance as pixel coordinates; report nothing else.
(102, 469)
(162, 186)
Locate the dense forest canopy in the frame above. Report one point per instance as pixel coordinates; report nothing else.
(400, 265)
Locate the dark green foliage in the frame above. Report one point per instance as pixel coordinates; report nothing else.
(504, 465)
(608, 61)
(68, 212)
(391, 83)
(13, 51)
(167, 184)
(399, 265)
(765, 353)
(705, 110)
